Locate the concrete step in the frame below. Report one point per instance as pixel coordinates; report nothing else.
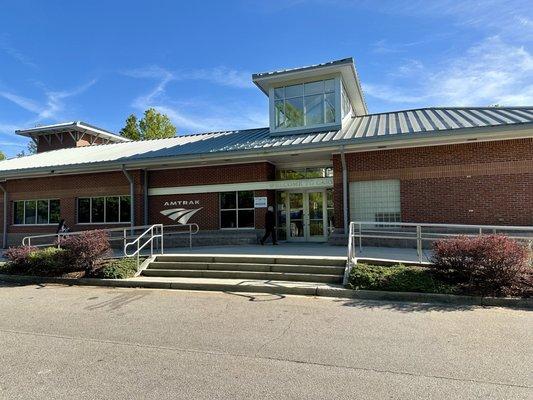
(273, 276)
(243, 286)
(308, 269)
(255, 259)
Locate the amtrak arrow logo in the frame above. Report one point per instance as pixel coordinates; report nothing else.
(180, 215)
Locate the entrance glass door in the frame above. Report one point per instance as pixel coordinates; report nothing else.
(315, 216)
(296, 216)
(307, 216)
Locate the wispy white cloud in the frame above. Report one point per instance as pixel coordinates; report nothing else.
(195, 115)
(52, 107)
(490, 72)
(220, 75)
(14, 53)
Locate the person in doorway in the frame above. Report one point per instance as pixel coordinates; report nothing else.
(270, 226)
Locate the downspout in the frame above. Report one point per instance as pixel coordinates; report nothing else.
(132, 195)
(145, 197)
(4, 232)
(344, 190)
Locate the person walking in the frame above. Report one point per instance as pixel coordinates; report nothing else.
(270, 226)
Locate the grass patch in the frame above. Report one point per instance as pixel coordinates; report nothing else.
(397, 278)
(121, 268)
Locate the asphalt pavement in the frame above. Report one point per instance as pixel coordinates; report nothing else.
(61, 342)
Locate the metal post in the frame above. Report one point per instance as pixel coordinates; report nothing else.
(360, 238)
(162, 240)
(190, 236)
(344, 190)
(419, 242)
(4, 238)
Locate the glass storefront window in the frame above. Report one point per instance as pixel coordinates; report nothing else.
(41, 212)
(305, 105)
(237, 210)
(100, 210)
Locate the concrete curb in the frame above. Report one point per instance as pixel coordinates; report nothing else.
(339, 292)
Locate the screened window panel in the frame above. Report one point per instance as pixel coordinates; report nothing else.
(375, 201)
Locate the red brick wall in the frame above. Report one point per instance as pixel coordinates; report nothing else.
(67, 188)
(471, 183)
(251, 172)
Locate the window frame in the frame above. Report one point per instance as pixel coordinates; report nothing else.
(105, 222)
(13, 223)
(336, 123)
(236, 209)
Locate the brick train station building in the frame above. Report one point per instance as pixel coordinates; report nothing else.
(323, 161)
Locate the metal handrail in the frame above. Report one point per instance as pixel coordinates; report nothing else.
(421, 233)
(127, 232)
(153, 236)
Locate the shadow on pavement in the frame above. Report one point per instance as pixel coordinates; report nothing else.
(258, 296)
(404, 306)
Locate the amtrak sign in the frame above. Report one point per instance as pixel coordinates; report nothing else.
(181, 210)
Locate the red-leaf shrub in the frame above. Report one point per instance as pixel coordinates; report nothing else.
(86, 248)
(488, 265)
(18, 256)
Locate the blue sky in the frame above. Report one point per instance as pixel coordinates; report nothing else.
(99, 61)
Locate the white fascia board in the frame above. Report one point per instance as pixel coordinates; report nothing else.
(231, 187)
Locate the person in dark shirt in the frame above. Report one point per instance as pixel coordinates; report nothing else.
(62, 227)
(270, 226)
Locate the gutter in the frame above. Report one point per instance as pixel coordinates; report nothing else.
(421, 139)
(132, 195)
(344, 189)
(4, 232)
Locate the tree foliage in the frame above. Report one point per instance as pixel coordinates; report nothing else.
(2, 155)
(153, 125)
(131, 129)
(31, 148)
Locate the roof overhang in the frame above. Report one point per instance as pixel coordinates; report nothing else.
(314, 150)
(345, 67)
(75, 126)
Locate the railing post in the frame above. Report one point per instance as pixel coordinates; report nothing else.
(190, 236)
(124, 238)
(360, 238)
(162, 240)
(419, 242)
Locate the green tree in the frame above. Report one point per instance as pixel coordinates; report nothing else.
(2, 155)
(155, 125)
(131, 129)
(31, 148)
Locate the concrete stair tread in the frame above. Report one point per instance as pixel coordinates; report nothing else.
(242, 266)
(224, 274)
(242, 285)
(255, 259)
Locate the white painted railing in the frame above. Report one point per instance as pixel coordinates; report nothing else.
(420, 233)
(115, 234)
(149, 236)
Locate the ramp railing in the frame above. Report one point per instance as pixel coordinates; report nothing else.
(153, 233)
(122, 234)
(417, 234)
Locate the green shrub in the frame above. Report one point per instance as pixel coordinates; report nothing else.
(47, 261)
(396, 278)
(118, 269)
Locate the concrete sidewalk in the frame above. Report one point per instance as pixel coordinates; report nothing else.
(392, 254)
